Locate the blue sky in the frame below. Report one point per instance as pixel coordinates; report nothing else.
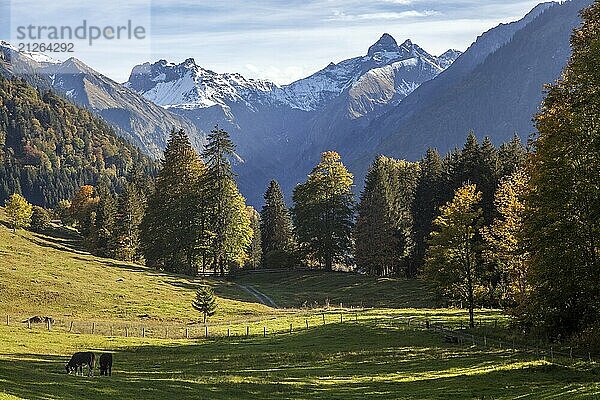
(277, 40)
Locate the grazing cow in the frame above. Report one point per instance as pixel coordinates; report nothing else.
(78, 360)
(106, 364)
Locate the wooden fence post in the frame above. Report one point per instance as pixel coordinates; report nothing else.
(290, 328)
(247, 330)
(126, 332)
(143, 332)
(306, 324)
(264, 331)
(323, 318)
(7, 320)
(571, 353)
(205, 330)
(227, 332)
(341, 318)
(187, 334)
(71, 326)
(93, 327)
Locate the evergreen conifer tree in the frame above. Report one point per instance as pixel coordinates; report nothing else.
(205, 302)
(172, 226)
(276, 229)
(230, 229)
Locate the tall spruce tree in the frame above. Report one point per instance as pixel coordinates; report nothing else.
(512, 156)
(323, 212)
(405, 178)
(104, 223)
(563, 206)
(129, 216)
(488, 179)
(377, 245)
(384, 227)
(429, 197)
(276, 229)
(172, 225)
(229, 222)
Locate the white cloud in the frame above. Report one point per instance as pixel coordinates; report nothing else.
(341, 16)
(274, 74)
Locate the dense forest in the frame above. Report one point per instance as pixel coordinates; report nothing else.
(49, 148)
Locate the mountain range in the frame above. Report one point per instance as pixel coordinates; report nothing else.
(397, 99)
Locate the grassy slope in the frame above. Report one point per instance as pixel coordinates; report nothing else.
(295, 289)
(49, 275)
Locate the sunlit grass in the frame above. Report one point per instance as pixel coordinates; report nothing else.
(373, 346)
(350, 360)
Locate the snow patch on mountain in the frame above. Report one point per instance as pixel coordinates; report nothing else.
(189, 86)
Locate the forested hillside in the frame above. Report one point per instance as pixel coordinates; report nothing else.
(49, 148)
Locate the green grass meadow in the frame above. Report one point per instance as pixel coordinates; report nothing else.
(372, 352)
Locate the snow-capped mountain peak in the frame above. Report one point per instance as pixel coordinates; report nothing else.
(188, 86)
(39, 58)
(318, 89)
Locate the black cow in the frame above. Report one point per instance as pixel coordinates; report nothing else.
(78, 360)
(106, 364)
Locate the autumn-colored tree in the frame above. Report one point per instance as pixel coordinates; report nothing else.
(18, 211)
(323, 212)
(504, 239)
(82, 208)
(563, 204)
(453, 256)
(255, 248)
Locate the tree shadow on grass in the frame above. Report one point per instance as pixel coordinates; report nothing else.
(191, 373)
(48, 242)
(328, 362)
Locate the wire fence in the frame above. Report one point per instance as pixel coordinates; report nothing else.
(157, 330)
(464, 336)
(454, 332)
